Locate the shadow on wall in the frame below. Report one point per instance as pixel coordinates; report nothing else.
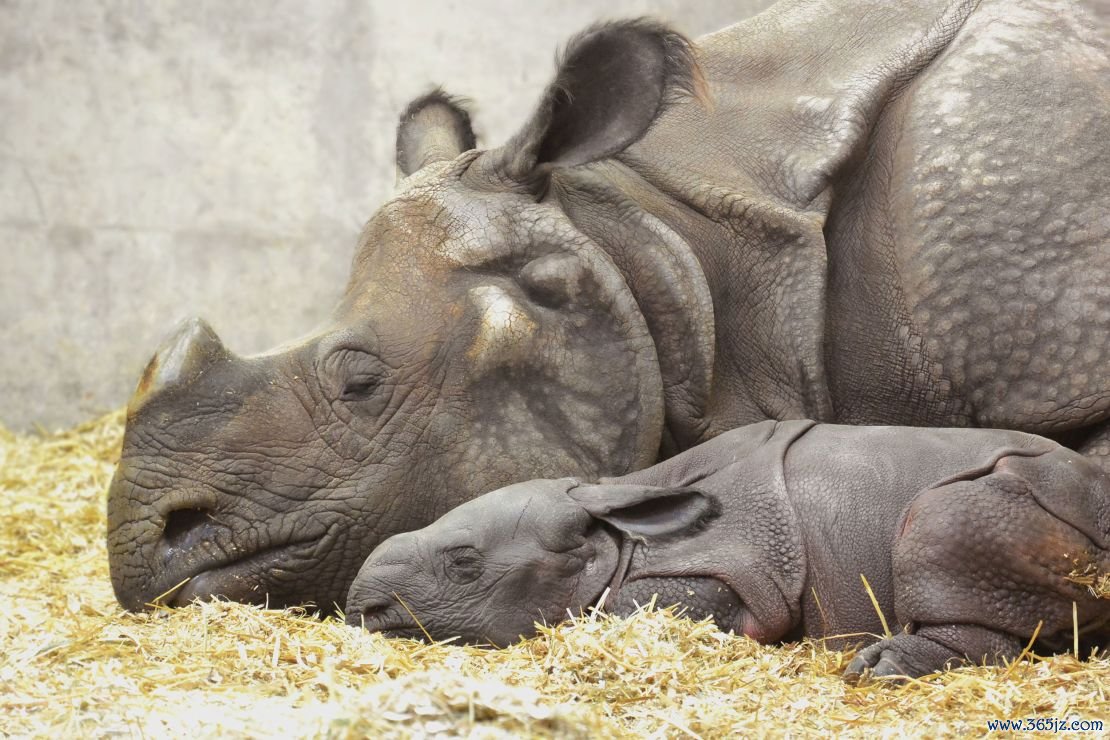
(206, 159)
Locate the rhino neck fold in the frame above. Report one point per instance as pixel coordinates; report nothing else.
(668, 284)
(624, 563)
(765, 266)
(754, 549)
(748, 183)
(732, 348)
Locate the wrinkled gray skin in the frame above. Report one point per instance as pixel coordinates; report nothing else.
(966, 537)
(855, 212)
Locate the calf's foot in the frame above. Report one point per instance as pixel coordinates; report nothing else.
(933, 648)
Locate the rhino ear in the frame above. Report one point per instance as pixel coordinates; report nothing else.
(434, 128)
(612, 83)
(646, 511)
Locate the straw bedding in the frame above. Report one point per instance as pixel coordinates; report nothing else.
(72, 663)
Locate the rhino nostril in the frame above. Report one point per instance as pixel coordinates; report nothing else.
(364, 615)
(181, 522)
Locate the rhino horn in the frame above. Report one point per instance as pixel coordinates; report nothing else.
(182, 358)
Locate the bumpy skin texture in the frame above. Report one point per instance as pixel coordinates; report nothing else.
(966, 537)
(1048, 516)
(987, 270)
(853, 211)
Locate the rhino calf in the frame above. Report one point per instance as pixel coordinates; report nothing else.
(966, 537)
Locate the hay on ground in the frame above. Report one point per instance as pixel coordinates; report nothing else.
(72, 663)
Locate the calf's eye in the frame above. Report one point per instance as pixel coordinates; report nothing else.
(462, 564)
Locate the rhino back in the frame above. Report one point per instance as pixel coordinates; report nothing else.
(972, 238)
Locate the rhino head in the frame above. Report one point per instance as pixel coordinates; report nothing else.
(483, 338)
(489, 570)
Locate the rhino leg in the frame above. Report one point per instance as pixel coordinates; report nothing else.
(982, 565)
(933, 648)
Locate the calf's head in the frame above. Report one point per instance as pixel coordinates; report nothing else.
(482, 339)
(489, 570)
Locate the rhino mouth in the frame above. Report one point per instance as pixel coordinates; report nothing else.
(407, 633)
(254, 577)
(386, 618)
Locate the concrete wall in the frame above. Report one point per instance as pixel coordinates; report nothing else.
(162, 160)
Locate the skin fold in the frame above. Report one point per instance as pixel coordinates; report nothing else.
(849, 211)
(967, 539)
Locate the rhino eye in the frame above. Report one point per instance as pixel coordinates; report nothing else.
(358, 387)
(352, 374)
(462, 564)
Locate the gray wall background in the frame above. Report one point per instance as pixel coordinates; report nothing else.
(163, 160)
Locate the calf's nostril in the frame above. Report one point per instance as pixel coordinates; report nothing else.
(363, 616)
(181, 522)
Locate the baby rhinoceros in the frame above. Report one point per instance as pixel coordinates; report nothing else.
(969, 539)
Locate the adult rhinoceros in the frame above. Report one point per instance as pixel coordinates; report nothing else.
(851, 211)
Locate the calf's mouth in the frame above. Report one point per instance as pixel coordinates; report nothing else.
(387, 617)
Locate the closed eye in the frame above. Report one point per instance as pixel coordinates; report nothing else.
(462, 564)
(359, 387)
(350, 374)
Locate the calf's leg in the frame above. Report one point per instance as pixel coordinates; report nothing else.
(980, 563)
(933, 648)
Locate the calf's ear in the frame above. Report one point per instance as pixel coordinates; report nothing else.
(434, 128)
(613, 81)
(646, 511)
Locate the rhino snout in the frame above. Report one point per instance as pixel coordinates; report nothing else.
(377, 611)
(364, 614)
(185, 529)
(380, 615)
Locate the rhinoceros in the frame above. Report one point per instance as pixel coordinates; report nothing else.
(972, 540)
(848, 211)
